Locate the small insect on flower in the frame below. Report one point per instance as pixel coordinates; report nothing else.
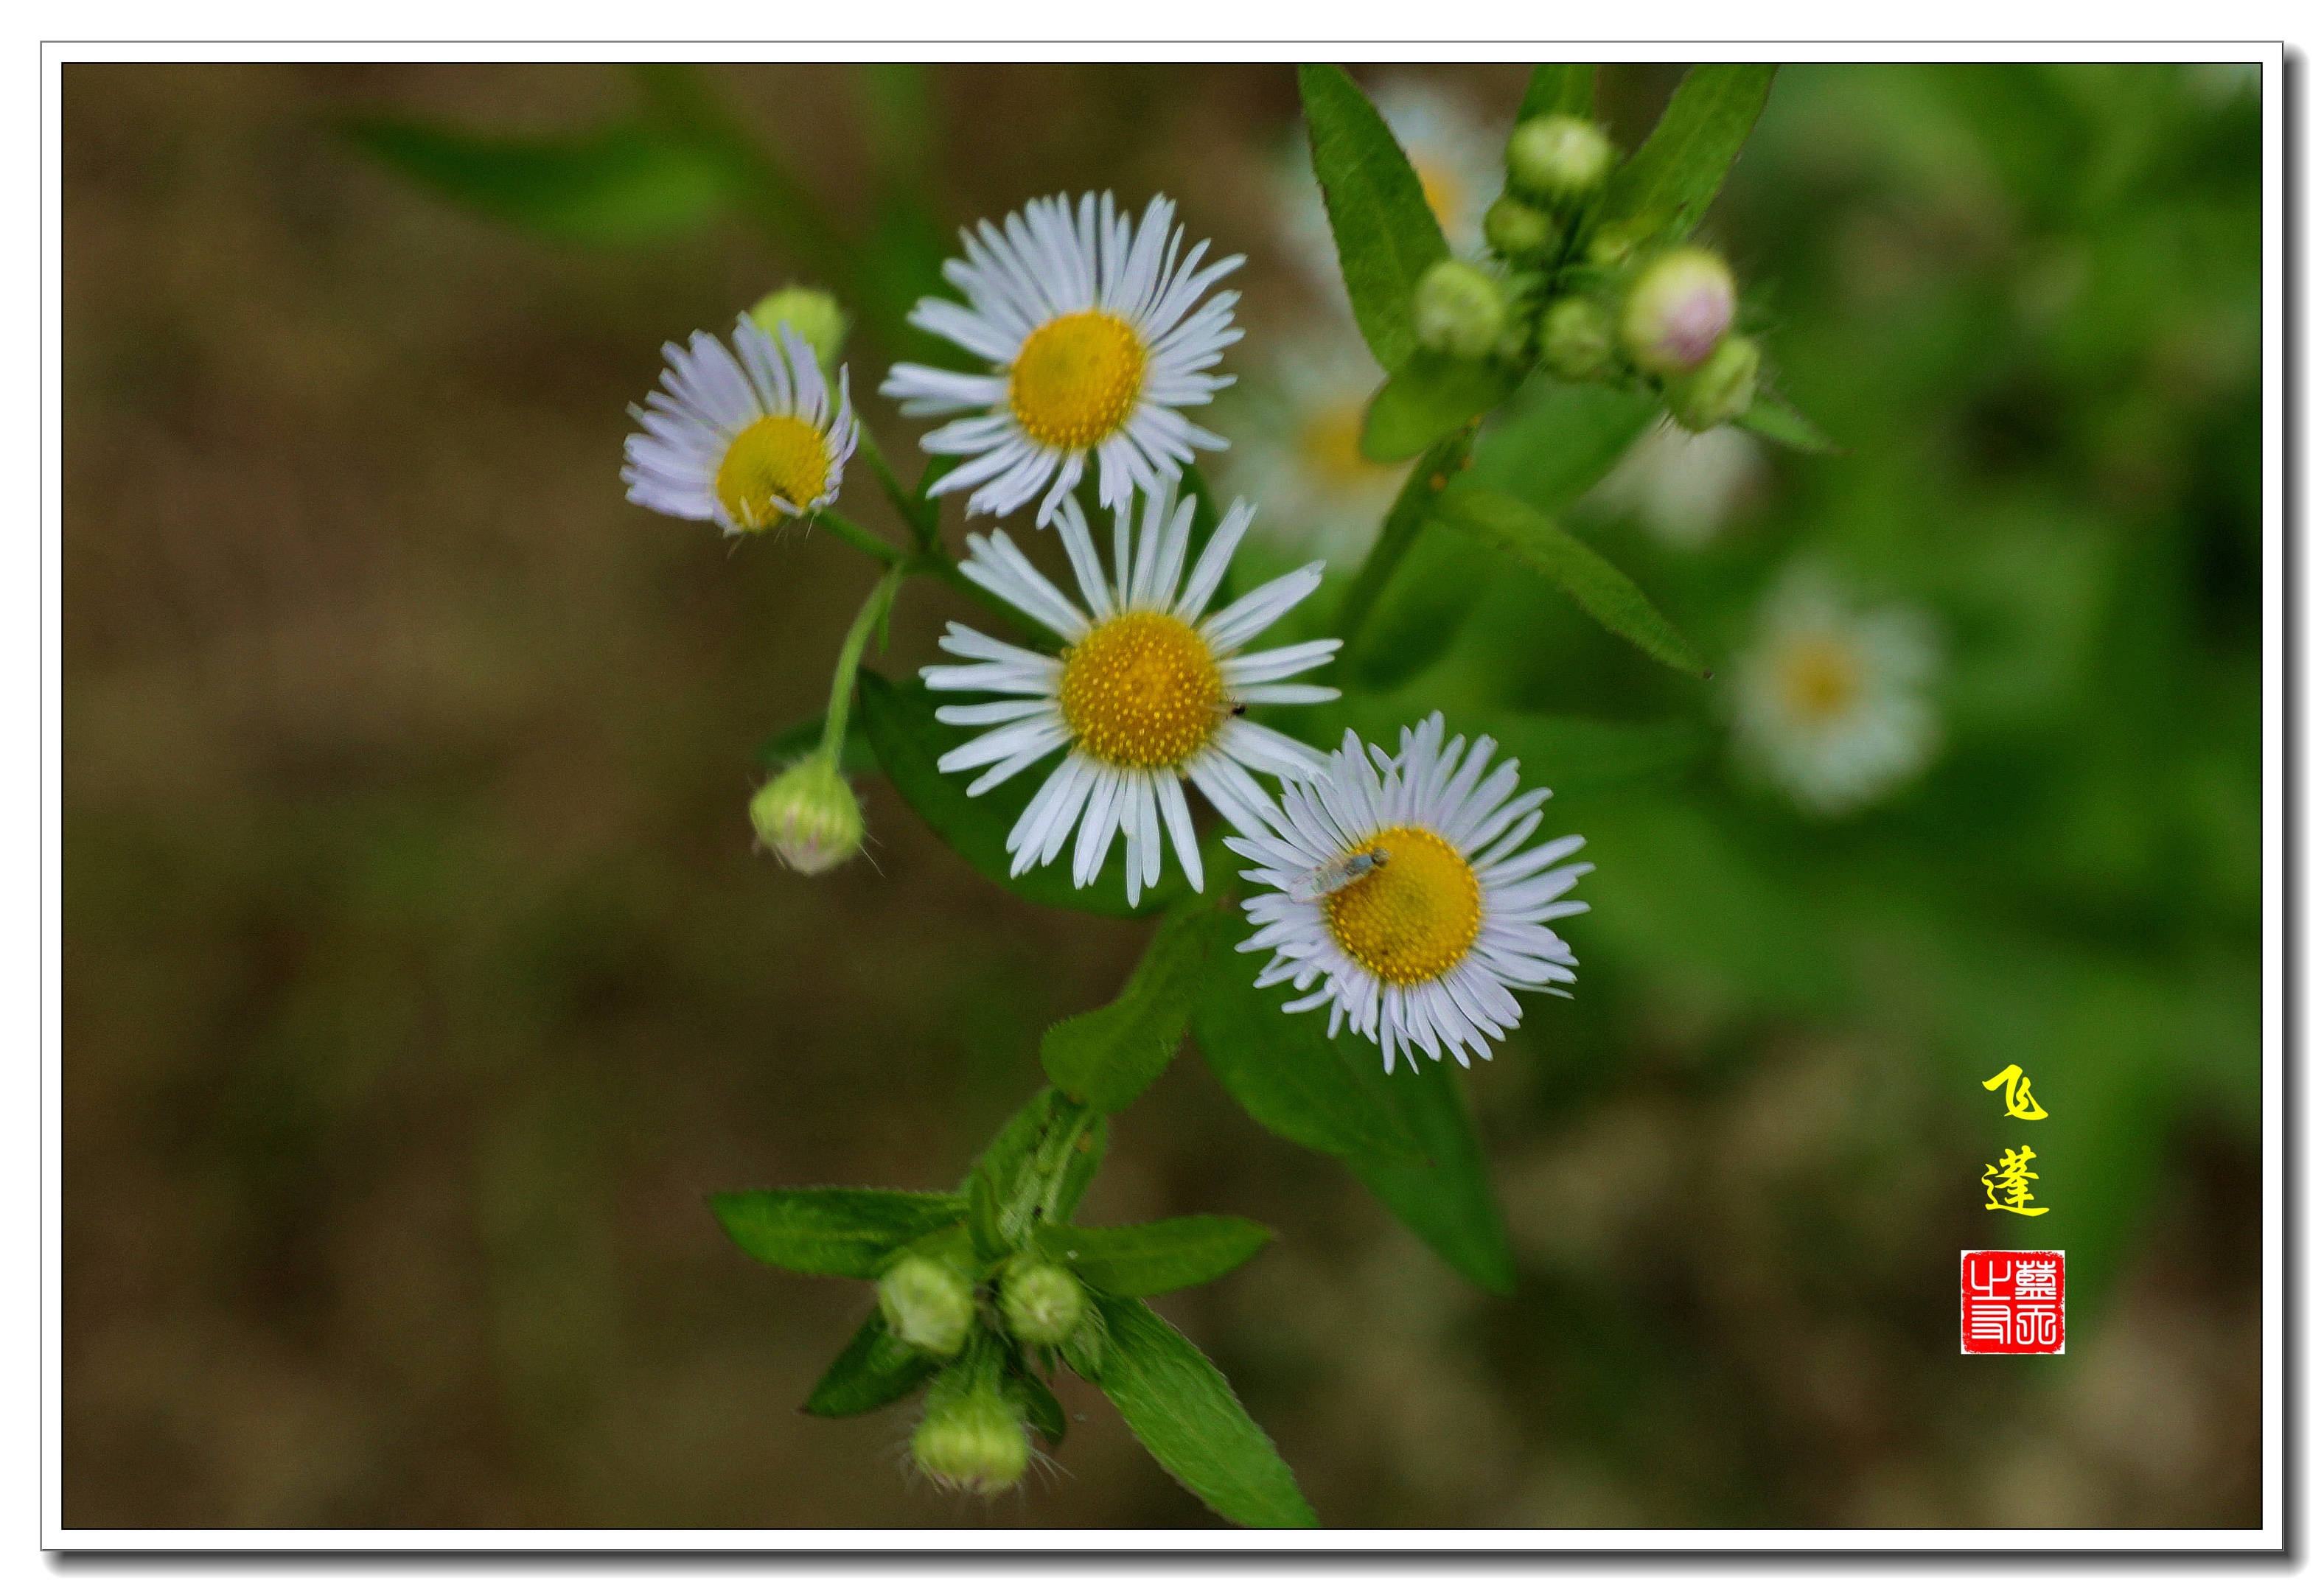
(1147, 692)
(1395, 883)
(1098, 337)
(746, 439)
(1337, 874)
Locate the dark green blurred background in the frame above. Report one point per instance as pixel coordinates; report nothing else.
(420, 979)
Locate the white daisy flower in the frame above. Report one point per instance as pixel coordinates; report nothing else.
(1147, 691)
(1456, 157)
(1400, 888)
(1097, 342)
(1830, 702)
(747, 438)
(1299, 452)
(1685, 486)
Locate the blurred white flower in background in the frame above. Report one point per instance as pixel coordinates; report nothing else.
(1830, 701)
(1685, 487)
(1300, 419)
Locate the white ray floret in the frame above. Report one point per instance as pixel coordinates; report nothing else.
(1097, 337)
(745, 438)
(1396, 893)
(1148, 692)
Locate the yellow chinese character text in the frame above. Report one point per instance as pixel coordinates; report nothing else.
(2008, 1186)
(2017, 1094)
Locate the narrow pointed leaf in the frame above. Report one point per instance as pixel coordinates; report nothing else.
(1774, 417)
(618, 185)
(1154, 1256)
(1663, 190)
(1432, 397)
(1178, 1405)
(1560, 91)
(1380, 220)
(1106, 1058)
(1446, 1199)
(900, 723)
(875, 1370)
(831, 1232)
(1039, 1164)
(1604, 592)
(1278, 1065)
(1557, 440)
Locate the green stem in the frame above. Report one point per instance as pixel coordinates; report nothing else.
(1431, 473)
(858, 539)
(922, 514)
(1041, 1187)
(850, 654)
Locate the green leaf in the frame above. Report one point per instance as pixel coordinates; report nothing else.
(1037, 1405)
(1560, 91)
(1434, 589)
(875, 1370)
(1663, 189)
(1039, 1164)
(1154, 1256)
(899, 721)
(1278, 1065)
(855, 755)
(1178, 1405)
(620, 184)
(1447, 1199)
(1604, 592)
(827, 1232)
(1576, 757)
(1106, 1058)
(1430, 398)
(1774, 417)
(1558, 440)
(1387, 234)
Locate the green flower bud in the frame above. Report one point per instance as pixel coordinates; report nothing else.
(1577, 336)
(1678, 309)
(814, 314)
(927, 1304)
(1042, 1301)
(1718, 390)
(973, 1440)
(808, 816)
(1518, 230)
(1558, 157)
(1458, 310)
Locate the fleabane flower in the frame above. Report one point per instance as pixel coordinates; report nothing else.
(1148, 691)
(1098, 336)
(1456, 158)
(746, 438)
(1300, 453)
(1396, 885)
(1830, 701)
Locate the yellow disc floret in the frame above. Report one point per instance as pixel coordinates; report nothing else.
(1821, 678)
(1411, 918)
(774, 456)
(1141, 691)
(1077, 379)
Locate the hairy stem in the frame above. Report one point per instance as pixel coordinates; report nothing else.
(851, 655)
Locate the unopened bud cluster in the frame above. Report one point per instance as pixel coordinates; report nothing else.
(1583, 302)
(973, 1437)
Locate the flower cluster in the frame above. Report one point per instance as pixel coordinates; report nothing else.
(1392, 885)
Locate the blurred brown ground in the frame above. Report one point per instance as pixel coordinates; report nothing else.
(420, 979)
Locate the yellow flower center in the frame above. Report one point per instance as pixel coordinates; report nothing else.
(1413, 916)
(1141, 691)
(1441, 188)
(1331, 446)
(774, 456)
(1822, 676)
(1077, 379)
